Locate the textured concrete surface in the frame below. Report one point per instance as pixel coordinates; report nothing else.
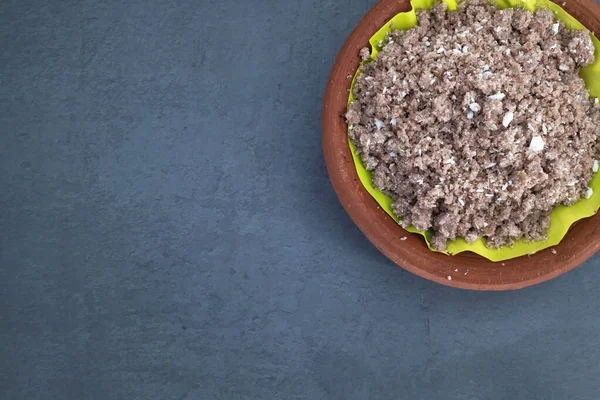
(168, 230)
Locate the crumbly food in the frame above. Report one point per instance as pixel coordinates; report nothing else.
(477, 123)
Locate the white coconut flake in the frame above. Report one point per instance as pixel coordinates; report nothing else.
(379, 124)
(490, 165)
(393, 121)
(456, 52)
(427, 44)
(589, 193)
(563, 67)
(470, 115)
(498, 96)
(596, 101)
(537, 144)
(465, 49)
(544, 129)
(595, 166)
(441, 50)
(508, 117)
(475, 107)
(505, 186)
(450, 161)
(555, 28)
(461, 202)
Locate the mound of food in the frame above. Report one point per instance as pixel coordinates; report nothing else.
(476, 122)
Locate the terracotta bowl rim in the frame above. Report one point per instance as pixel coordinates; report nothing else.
(466, 270)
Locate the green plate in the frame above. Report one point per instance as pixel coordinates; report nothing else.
(561, 217)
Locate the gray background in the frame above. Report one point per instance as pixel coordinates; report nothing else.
(168, 229)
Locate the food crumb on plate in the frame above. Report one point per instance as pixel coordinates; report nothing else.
(508, 118)
(537, 144)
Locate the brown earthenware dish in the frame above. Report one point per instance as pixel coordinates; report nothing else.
(465, 270)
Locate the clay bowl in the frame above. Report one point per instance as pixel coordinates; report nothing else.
(412, 254)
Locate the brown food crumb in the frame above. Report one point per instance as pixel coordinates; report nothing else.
(476, 122)
(365, 53)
